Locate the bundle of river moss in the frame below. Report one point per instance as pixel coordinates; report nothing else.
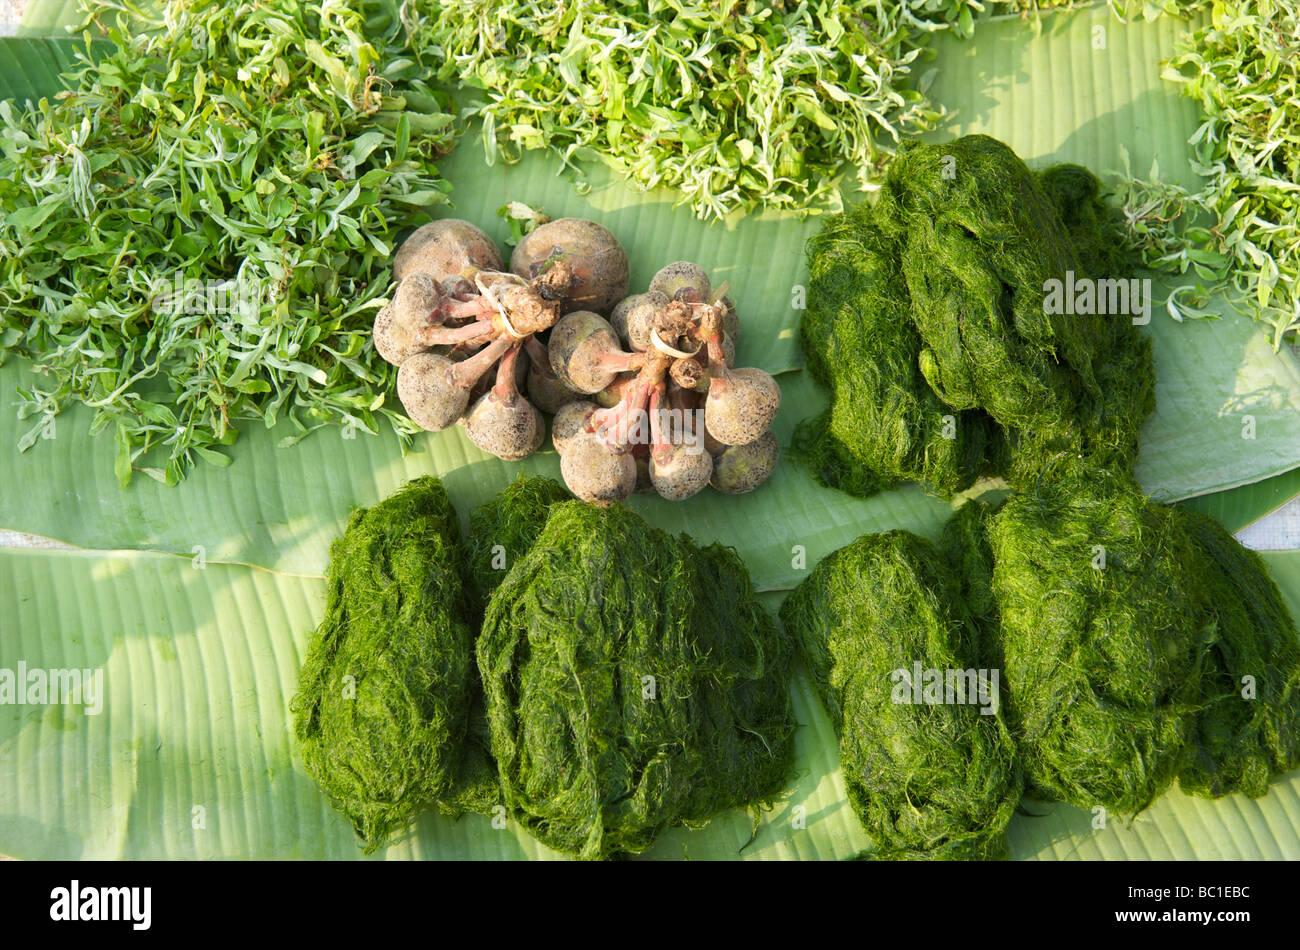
(633, 683)
(385, 691)
(502, 530)
(1137, 643)
(965, 542)
(1248, 730)
(927, 319)
(1102, 637)
(1141, 642)
(932, 779)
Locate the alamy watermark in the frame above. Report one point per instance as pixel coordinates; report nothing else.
(1085, 296)
(678, 426)
(40, 687)
(927, 686)
(80, 903)
(189, 295)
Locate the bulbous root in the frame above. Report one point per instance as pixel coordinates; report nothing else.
(435, 391)
(677, 470)
(742, 468)
(682, 280)
(597, 473)
(584, 352)
(444, 250)
(741, 405)
(428, 394)
(620, 426)
(634, 317)
(570, 422)
(391, 342)
(598, 262)
(546, 390)
(419, 305)
(502, 422)
(613, 394)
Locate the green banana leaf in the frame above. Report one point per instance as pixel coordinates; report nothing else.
(50, 17)
(192, 754)
(30, 66)
(1241, 507)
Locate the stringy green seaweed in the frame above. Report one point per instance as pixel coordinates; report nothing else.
(927, 781)
(594, 759)
(502, 530)
(1103, 639)
(1123, 630)
(385, 692)
(965, 542)
(926, 319)
(884, 424)
(512, 520)
(1242, 741)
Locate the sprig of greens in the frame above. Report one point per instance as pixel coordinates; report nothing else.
(522, 219)
(197, 231)
(1241, 230)
(1165, 224)
(1242, 70)
(734, 105)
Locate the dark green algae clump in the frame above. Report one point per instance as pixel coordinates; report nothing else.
(926, 320)
(935, 781)
(633, 683)
(1248, 731)
(1127, 628)
(502, 529)
(1138, 644)
(1103, 640)
(386, 689)
(630, 680)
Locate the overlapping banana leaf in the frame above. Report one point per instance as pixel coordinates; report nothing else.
(192, 757)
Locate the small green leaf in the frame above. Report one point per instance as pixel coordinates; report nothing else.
(122, 462)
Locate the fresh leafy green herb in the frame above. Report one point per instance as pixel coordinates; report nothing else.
(734, 105)
(1241, 230)
(196, 233)
(522, 219)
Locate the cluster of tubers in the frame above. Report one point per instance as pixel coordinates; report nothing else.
(643, 389)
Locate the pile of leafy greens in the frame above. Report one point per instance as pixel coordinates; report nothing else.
(1237, 232)
(930, 318)
(633, 683)
(733, 105)
(194, 233)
